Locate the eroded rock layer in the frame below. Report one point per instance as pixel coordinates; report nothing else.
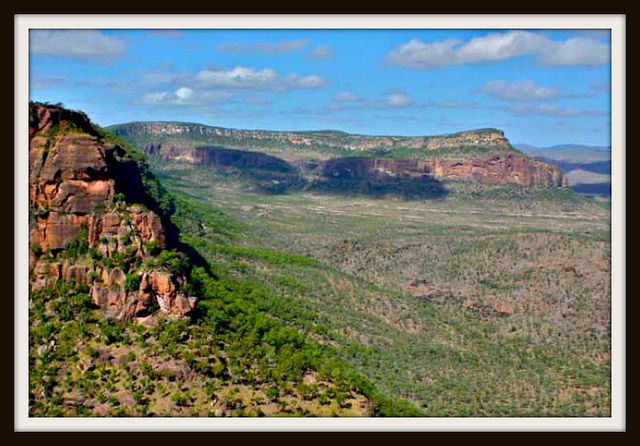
(480, 156)
(82, 228)
(488, 169)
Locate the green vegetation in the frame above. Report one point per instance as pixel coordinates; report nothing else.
(77, 246)
(82, 364)
(487, 303)
(484, 303)
(318, 145)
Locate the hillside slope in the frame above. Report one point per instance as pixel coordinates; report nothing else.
(115, 327)
(308, 303)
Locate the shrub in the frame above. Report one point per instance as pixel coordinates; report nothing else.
(180, 398)
(112, 331)
(94, 254)
(125, 239)
(132, 282)
(152, 247)
(36, 249)
(77, 246)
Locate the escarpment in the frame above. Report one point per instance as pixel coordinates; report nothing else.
(93, 221)
(178, 133)
(480, 156)
(488, 169)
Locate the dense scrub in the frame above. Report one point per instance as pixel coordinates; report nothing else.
(484, 304)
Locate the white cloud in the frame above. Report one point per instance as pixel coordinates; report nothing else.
(285, 46)
(89, 45)
(187, 97)
(296, 81)
(184, 94)
(499, 46)
(238, 77)
(577, 51)
(519, 90)
(248, 78)
(398, 100)
(321, 52)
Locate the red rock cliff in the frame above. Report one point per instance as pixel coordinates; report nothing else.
(481, 156)
(81, 228)
(485, 169)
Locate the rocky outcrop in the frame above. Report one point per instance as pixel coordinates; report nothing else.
(83, 228)
(186, 133)
(481, 156)
(499, 168)
(489, 169)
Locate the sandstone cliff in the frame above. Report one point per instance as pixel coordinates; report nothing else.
(484, 169)
(92, 220)
(481, 156)
(185, 133)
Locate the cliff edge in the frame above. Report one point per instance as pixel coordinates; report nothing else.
(93, 220)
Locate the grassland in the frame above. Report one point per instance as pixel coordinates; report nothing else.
(481, 304)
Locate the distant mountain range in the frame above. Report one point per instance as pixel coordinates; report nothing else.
(588, 168)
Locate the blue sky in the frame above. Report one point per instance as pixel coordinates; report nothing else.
(541, 87)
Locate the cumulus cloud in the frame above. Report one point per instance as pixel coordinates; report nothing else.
(285, 46)
(499, 46)
(321, 52)
(251, 79)
(519, 90)
(87, 45)
(184, 96)
(577, 51)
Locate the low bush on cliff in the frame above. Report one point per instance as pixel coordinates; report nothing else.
(78, 246)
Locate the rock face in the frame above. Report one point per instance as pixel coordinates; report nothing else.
(482, 156)
(500, 168)
(175, 131)
(490, 169)
(84, 227)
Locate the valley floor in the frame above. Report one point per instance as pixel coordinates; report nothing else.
(475, 305)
